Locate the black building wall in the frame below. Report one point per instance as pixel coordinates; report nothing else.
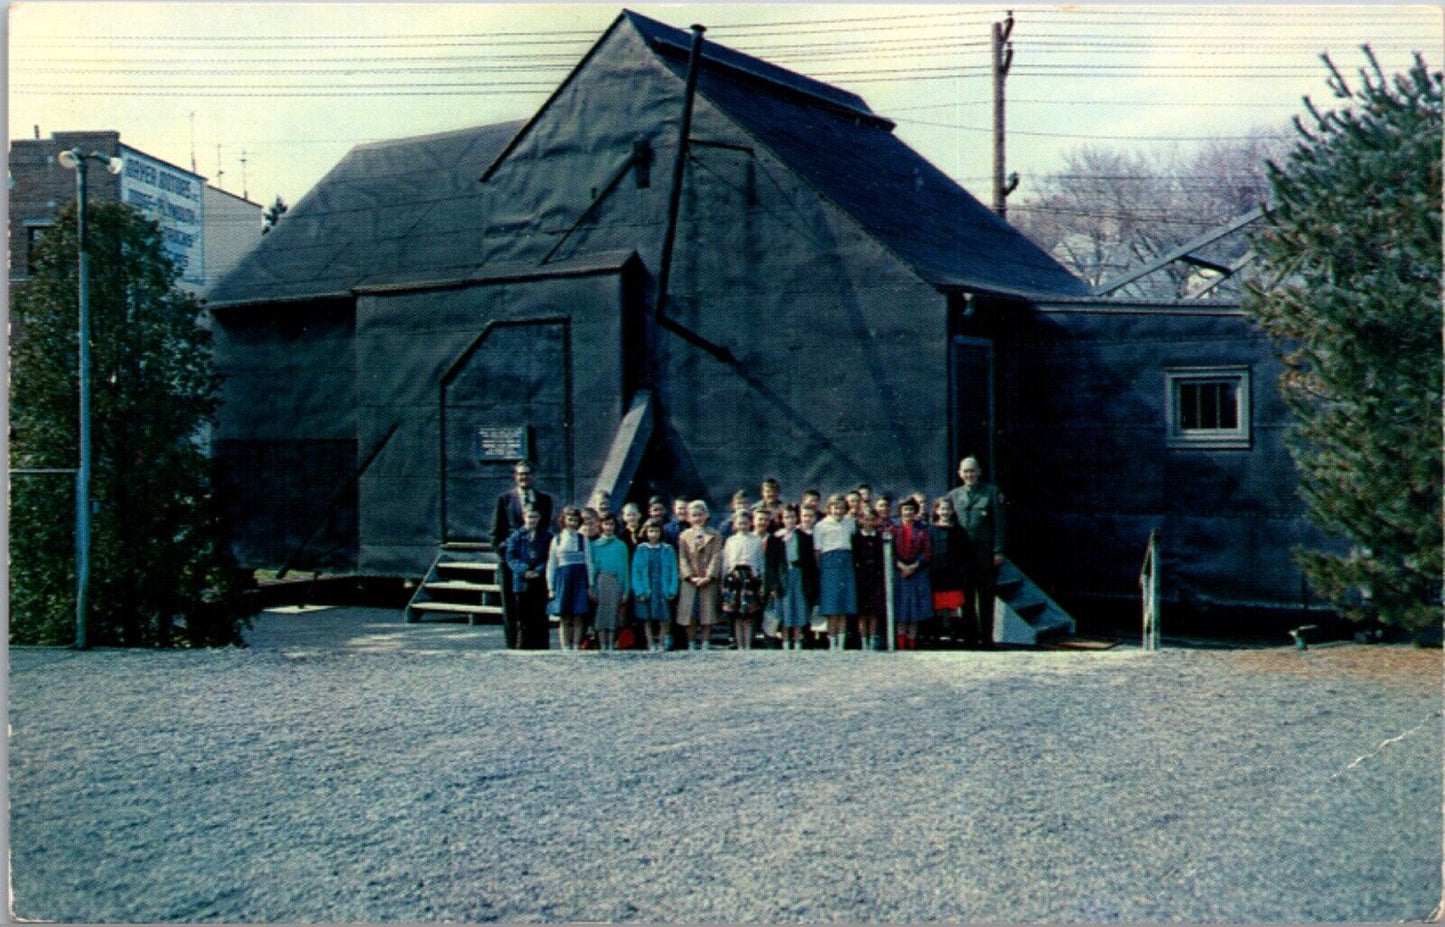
(285, 443)
(798, 346)
(835, 368)
(1091, 471)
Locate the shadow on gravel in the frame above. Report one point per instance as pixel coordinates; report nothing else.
(358, 629)
(365, 630)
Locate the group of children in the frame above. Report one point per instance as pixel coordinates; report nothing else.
(774, 567)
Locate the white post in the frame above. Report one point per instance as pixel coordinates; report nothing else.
(1149, 584)
(888, 585)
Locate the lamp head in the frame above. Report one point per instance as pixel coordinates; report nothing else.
(74, 157)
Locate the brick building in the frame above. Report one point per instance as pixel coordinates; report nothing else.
(207, 231)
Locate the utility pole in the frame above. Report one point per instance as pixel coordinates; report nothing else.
(1003, 56)
(245, 194)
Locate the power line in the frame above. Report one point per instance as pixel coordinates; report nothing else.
(1162, 218)
(1175, 103)
(412, 40)
(1158, 102)
(201, 58)
(975, 14)
(354, 37)
(1236, 14)
(1214, 27)
(1211, 44)
(1165, 138)
(933, 43)
(289, 94)
(371, 62)
(305, 43)
(951, 69)
(369, 72)
(1036, 70)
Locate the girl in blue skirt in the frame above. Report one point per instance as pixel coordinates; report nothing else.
(837, 591)
(568, 564)
(791, 577)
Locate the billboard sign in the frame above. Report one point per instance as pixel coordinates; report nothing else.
(173, 198)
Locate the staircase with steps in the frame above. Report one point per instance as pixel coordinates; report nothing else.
(464, 582)
(1023, 613)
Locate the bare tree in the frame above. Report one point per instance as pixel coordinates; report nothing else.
(1110, 210)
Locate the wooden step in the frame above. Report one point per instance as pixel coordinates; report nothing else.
(467, 566)
(457, 608)
(460, 585)
(468, 545)
(1028, 607)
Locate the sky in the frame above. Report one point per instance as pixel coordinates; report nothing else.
(264, 98)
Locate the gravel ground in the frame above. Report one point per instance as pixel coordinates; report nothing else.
(351, 768)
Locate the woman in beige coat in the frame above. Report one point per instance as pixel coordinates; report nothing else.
(699, 563)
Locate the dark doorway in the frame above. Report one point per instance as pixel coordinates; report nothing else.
(971, 370)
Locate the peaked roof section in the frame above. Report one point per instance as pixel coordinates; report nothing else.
(662, 36)
(850, 156)
(388, 212)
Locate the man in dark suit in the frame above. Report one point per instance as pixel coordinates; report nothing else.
(978, 509)
(508, 518)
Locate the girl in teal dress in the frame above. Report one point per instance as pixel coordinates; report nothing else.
(608, 579)
(654, 585)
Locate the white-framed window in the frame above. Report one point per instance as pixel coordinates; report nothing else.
(1208, 407)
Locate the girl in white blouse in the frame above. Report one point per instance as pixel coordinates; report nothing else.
(742, 594)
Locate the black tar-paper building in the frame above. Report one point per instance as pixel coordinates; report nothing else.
(838, 310)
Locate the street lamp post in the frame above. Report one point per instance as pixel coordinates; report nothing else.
(76, 160)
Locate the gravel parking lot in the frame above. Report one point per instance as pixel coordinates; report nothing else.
(348, 767)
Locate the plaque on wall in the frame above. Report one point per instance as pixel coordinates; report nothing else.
(501, 444)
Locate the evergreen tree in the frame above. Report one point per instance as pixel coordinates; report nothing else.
(1351, 295)
(161, 572)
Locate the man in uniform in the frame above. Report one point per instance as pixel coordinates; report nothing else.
(978, 509)
(508, 518)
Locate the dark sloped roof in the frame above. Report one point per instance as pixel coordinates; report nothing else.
(387, 212)
(852, 158)
(411, 210)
